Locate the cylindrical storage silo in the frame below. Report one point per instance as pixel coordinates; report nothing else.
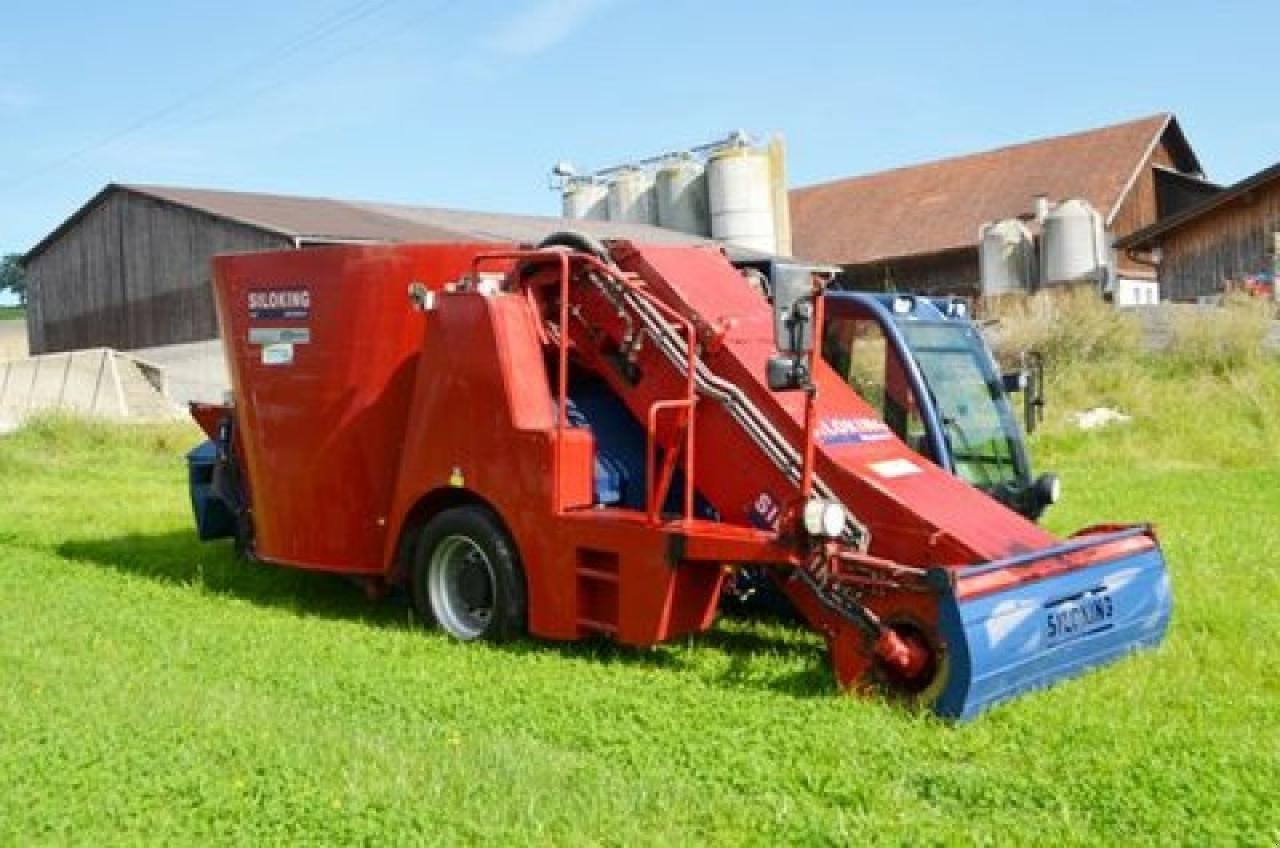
(740, 198)
(586, 199)
(681, 190)
(1006, 256)
(631, 198)
(1073, 244)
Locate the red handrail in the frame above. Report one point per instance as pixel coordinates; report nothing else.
(658, 490)
(689, 402)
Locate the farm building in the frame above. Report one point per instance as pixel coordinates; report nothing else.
(130, 269)
(916, 228)
(1231, 238)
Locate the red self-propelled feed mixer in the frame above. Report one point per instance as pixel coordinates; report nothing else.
(590, 440)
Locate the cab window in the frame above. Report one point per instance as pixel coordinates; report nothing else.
(859, 352)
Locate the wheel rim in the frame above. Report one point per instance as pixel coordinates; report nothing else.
(462, 587)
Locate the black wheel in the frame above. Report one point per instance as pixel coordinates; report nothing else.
(467, 576)
(578, 241)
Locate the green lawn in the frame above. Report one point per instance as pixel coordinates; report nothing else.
(13, 313)
(154, 690)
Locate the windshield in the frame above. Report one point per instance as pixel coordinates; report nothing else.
(971, 404)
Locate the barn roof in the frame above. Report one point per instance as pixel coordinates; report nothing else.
(939, 206)
(322, 219)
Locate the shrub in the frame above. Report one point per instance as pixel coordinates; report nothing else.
(1065, 326)
(1219, 340)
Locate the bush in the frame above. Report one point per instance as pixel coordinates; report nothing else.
(1222, 340)
(1067, 327)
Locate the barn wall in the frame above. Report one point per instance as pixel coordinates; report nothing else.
(1225, 244)
(132, 272)
(954, 272)
(1139, 209)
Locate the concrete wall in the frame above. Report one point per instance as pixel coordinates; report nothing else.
(196, 371)
(100, 382)
(13, 339)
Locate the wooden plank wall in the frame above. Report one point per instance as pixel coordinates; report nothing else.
(951, 273)
(1228, 243)
(132, 272)
(1139, 210)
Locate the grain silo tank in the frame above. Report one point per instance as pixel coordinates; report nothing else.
(740, 198)
(1006, 256)
(586, 199)
(681, 191)
(1073, 244)
(632, 199)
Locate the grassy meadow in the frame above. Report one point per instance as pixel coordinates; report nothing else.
(154, 690)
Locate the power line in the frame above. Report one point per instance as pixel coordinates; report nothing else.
(272, 85)
(340, 20)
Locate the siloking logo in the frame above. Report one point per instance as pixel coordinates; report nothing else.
(293, 304)
(847, 431)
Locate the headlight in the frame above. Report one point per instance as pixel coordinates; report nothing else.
(1048, 488)
(824, 518)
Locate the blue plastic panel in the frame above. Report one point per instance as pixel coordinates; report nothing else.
(1034, 635)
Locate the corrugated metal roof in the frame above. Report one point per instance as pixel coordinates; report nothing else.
(298, 217)
(940, 206)
(320, 219)
(523, 228)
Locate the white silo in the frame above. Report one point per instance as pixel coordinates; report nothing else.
(586, 198)
(1073, 245)
(740, 192)
(631, 198)
(681, 189)
(1006, 257)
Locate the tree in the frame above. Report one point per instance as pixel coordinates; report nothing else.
(13, 278)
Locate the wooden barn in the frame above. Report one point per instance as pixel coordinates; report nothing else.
(916, 228)
(1229, 239)
(131, 268)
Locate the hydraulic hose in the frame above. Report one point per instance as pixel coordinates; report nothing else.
(740, 408)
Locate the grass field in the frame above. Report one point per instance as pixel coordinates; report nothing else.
(154, 690)
(13, 313)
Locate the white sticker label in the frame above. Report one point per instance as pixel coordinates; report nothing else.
(891, 468)
(277, 354)
(279, 335)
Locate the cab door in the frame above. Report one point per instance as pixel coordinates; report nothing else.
(861, 342)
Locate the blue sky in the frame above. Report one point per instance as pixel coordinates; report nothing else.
(468, 104)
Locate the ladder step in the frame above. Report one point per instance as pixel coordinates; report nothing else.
(597, 574)
(599, 626)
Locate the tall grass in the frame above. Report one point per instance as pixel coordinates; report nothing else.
(1222, 340)
(1214, 359)
(1067, 327)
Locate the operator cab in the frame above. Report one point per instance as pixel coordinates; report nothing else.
(926, 368)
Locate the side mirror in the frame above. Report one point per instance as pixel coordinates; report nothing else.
(786, 372)
(793, 293)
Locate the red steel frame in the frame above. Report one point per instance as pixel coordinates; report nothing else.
(657, 494)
